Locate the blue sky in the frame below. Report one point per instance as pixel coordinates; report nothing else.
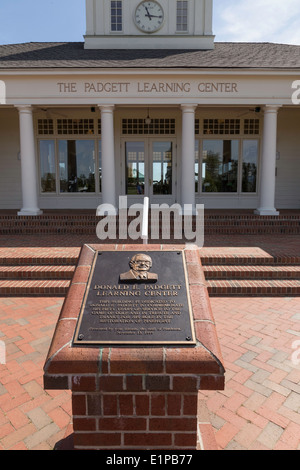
(234, 20)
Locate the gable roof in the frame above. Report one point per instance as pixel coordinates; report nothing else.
(226, 55)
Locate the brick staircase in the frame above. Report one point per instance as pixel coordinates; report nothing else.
(228, 272)
(84, 222)
(252, 275)
(36, 271)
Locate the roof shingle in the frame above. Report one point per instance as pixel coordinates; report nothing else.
(225, 55)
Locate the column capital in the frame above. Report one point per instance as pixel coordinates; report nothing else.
(272, 108)
(188, 108)
(106, 108)
(24, 108)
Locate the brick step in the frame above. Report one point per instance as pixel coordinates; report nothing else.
(251, 288)
(86, 222)
(36, 272)
(39, 256)
(39, 261)
(91, 230)
(248, 260)
(251, 272)
(32, 288)
(248, 230)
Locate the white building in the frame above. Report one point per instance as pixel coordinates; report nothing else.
(150, 105)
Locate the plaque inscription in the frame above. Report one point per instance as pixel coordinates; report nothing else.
(136, 298)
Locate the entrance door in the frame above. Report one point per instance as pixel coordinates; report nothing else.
(149, 170)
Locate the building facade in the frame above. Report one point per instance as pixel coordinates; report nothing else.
(149, 105)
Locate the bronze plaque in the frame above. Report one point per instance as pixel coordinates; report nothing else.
(136, 298)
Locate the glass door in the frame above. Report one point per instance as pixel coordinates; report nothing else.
(136, 184)
(162, 168)
(149, 170)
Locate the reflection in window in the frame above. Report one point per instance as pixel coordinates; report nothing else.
(250, 159)
(47, 166)
(76, 166)
(196, 166)
(100, 167)
(162, 167)
(135, 168)
(220, 166)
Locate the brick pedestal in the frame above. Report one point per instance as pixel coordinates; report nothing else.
(135, 398)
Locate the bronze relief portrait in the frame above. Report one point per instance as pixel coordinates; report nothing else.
(140, 265)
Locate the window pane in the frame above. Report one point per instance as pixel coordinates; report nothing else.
(100, 167)
(162, 167)
(47, 166)
(196, 166)
(250, 159)
(76, 166)
(182, 9)
(116, 16)
(135, 168)
(220, 166)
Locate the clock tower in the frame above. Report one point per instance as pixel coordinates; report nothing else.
(149, 24)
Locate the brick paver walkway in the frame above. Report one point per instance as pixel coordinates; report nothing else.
(30, 418)
(259, 409)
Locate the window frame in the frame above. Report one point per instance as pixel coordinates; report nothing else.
(179, 17)
(116, 31)
(200, 136)
(55, 137)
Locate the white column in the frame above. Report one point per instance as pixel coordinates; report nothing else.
(28, 163)
(188, 156)
(108, 155)
(268, 163)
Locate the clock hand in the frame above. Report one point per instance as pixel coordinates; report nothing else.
(148, 14)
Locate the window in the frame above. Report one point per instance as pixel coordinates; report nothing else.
(76, 166)
(197, 166)
(135, 168)
(250, 160)
(220, 166)
(251, 126)
(69, 155)
(75, 126)
(47, 166)
(182, 16)
(45, 127)
(221, 126)
(162, 167)
(100, 166)
(116, 21)
(156, 127)
(227, 155)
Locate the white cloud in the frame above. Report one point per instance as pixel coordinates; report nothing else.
(257, 21)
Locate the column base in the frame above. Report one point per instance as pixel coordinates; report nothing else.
(267, 211)
(187, 210)
(107, 210)
(30, 212)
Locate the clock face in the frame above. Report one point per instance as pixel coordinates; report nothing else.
(149, 17)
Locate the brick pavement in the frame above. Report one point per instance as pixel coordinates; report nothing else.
(30, 418)
(259, 409)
